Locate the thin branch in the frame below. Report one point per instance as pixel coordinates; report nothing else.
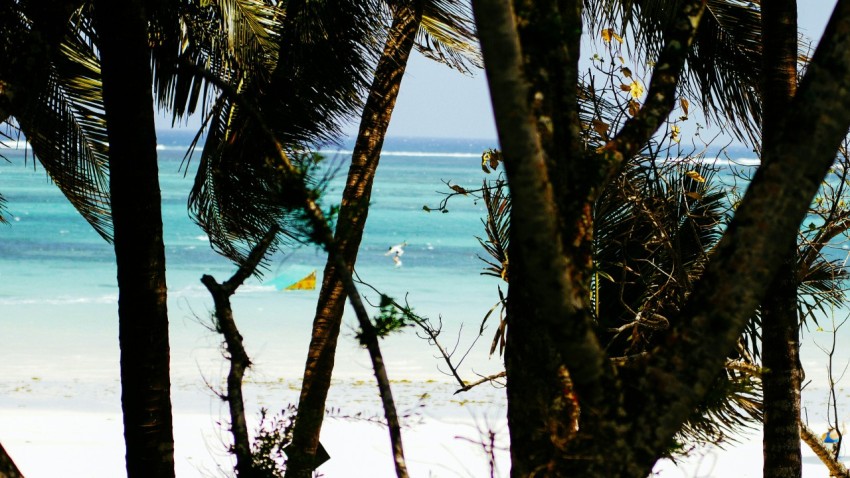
(323, 234)
(662, 90)
(239, 360)
(487, 379)
(836, 468)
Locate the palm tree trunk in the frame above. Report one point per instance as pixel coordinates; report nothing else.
(780, 327)
(139, 250)
(8, 469)
(351, 222)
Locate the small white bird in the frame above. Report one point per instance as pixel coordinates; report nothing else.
(396, 251)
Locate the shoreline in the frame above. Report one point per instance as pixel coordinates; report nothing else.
(442, 436)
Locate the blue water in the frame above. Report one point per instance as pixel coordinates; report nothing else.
(47, 234)
(57, 276)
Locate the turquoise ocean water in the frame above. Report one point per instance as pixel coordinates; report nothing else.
(58, 293)
(58, 308)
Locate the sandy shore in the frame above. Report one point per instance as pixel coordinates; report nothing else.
(74, 429)
(60, 399)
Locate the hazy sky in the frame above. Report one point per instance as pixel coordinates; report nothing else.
(436, 101)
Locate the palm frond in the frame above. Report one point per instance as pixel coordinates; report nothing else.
(447, 35)
(497, 202)
(230, 38)
(61, 115)
(238, 194)
(733, 403)
(823, 288)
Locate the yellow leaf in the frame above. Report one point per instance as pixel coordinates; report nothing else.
(622, 60)
(626, 72)
(674, 133)
(601, 127)
(695, 176)
(636, 89)
(684, 102)
(634, 107)
(608, 34)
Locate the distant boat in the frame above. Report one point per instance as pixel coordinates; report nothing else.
(294, 280)
(307, 283)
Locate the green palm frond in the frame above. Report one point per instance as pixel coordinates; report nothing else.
(447, 35)
(306, 99)
(823, 288)
(733, 403)
(231, 39)
(238, 194)
(61, 115)
(654, 227)
(497, 202)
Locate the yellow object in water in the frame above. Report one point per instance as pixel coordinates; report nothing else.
(307, 283)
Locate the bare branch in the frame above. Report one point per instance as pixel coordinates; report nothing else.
(487, 379)
(238, 357)
(836, 468)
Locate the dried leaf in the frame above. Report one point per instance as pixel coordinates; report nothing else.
(491, 158)
(684, 102)
(459, 189)
(601, 127)
(626, 87)
(695, 176)
(626, 72)
(495, 158)
(674, 133)
(634, 107)
(693, 195)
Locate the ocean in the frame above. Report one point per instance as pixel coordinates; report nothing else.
(58, 297)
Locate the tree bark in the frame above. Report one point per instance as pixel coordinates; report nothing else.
(781, 379)
(350, 224)
(836, 468)
(553, 359)
(748, 256)
(139, 250)
(8, 469)
(239, 360)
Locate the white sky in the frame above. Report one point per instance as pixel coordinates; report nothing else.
(435, 101)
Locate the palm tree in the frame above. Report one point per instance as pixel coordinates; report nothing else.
(782, 378)
(76, 155)
(444, 28)
(85, 140)
(236, 199)
(122, 30)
